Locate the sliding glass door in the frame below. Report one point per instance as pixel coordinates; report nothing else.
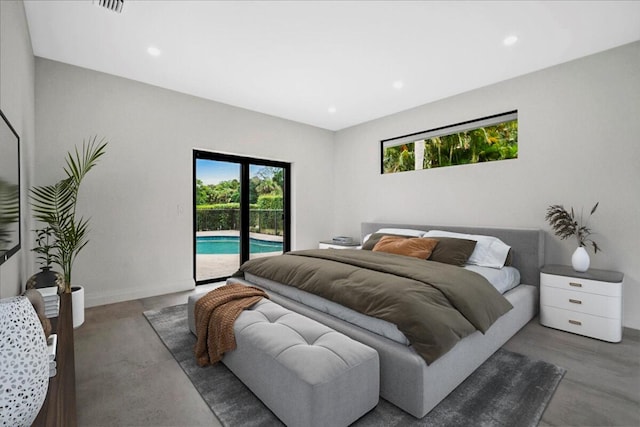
(217, 218)
(266, 210)
(241, 212)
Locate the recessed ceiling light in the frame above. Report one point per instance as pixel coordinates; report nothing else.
(153, 51)
(332, 109)
(398, 84)
(510, 41)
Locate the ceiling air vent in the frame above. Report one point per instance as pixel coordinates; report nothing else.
(114, 5)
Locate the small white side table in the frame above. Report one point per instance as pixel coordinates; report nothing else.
(330, 244)
(587, 303)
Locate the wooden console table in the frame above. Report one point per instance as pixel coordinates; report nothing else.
(59, 408)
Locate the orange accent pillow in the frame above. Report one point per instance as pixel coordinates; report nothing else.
(418, 247)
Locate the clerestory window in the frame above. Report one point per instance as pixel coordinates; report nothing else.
(475, 141)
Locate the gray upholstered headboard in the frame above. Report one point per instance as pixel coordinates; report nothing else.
(527, 244)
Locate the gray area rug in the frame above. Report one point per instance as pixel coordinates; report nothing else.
(509, 389)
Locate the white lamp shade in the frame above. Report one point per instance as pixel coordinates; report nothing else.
(24, 362)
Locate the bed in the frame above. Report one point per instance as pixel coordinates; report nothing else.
(406, 380)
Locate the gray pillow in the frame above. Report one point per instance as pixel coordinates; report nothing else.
(450, 250)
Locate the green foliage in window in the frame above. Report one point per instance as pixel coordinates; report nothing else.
(400, 158)
(267, 181)
(499, 142)
(270, 201)
(218, 205)
(484, 144)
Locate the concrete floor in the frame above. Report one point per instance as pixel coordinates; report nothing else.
(125, 376)
(602, 383)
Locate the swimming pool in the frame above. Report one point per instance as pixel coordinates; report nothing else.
(221, 245)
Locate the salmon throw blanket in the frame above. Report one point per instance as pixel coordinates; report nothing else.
(215, 314)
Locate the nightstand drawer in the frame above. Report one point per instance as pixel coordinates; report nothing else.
(597, 305)
(581, 285)
(581, 323)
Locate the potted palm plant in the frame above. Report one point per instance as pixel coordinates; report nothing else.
(55, 205)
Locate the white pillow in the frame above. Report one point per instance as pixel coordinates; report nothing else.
(489, 251)
(502, 279)
(402, 231)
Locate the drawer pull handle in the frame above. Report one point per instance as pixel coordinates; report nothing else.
(575, 301)
(575, 285)
(575, 322)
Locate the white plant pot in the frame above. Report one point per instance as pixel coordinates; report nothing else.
(77, 301)
(24, 363)
(580, 260)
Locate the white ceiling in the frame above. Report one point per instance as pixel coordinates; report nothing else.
(295, 59)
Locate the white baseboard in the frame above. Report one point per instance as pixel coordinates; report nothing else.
(93, 299)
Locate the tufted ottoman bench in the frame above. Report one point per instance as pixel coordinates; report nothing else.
(306, 373)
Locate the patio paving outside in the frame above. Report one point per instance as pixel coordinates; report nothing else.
(221, 265)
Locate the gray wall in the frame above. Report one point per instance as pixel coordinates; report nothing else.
(17, 69)
(578, 144)
(140, 195)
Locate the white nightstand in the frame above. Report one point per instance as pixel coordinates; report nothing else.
(587, 303)
(330, 244)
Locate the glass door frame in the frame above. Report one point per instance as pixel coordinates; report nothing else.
(245, 206)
